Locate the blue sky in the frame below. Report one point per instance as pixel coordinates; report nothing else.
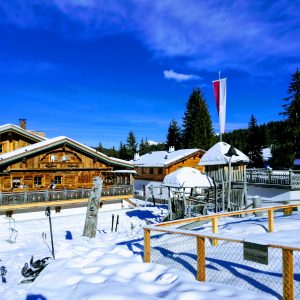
(94, 70)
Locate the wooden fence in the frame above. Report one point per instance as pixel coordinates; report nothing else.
(287, 252)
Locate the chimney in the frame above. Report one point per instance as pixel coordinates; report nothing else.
(171, 149)
(22, 123)
(136, 156)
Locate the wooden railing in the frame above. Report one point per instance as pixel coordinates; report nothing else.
(214, 237)
(7, 198)
(274, 177)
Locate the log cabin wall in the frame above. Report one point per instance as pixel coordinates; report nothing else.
(189, 162)
(10, 141)
(159, 173)
(219, 171)
(65, 166)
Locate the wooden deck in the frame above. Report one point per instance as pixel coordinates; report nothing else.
(58, 203)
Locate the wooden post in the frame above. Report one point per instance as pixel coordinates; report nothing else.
(215, 222)
(271, 220)
(290, 177)
(91, 218)
(147, 256)
(201, 259)
(287, 211)
(288, 274)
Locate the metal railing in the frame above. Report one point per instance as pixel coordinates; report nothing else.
(275, 177)
(206, 251)
(7, 198)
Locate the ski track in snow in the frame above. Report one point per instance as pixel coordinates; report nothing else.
(96, 268)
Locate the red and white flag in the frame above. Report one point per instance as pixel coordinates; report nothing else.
(220, 96)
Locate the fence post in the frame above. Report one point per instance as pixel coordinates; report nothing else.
(287, 211)
(215, 222)
(147, 256)
(271, 220)
(290, 177)
(288, 274)
(201, 259)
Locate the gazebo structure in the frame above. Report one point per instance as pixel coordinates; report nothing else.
(227, 167)
(185, 189)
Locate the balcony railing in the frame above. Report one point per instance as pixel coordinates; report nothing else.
(7, 198)
(274, 177)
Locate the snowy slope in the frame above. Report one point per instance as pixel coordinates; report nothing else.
(100, 268)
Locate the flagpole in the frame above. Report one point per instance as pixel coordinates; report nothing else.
(219, 120)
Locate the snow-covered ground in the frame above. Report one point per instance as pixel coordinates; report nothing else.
(107, 267)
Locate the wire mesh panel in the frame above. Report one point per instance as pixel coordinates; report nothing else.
(174, 250)
(225, 263)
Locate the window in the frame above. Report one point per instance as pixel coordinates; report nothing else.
(160, 170)
(65, 158)
(150, 170)
(53, 157)
(16, 182)
(58, 179)
(37, 180)
(1, 148)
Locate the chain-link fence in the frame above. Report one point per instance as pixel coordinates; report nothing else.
(224, 257)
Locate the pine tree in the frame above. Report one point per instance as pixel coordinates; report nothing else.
(131, 145)
(123, 152)
(113, 153)
(292, 113)
(197, 125)
(174, 136)
(254, 144)
(100, 148)
(144, 147)
(287, 145)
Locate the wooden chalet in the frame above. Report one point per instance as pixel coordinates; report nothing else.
(154, 166)
(29, 161)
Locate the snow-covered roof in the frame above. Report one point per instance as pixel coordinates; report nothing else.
(18, 129)
(60, 140)
(216, 156)
(187, 177)
(124, 171)
(163, 158)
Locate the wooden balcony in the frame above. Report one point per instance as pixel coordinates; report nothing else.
(289, 179)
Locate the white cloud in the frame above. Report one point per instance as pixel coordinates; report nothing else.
(249, 36)
(170, 74)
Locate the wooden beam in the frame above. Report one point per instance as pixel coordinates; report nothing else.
(215, 229)
(288, 211)
(271, 220)
(147, 255)
(227, 214)
(288, 274)
(201, 276)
